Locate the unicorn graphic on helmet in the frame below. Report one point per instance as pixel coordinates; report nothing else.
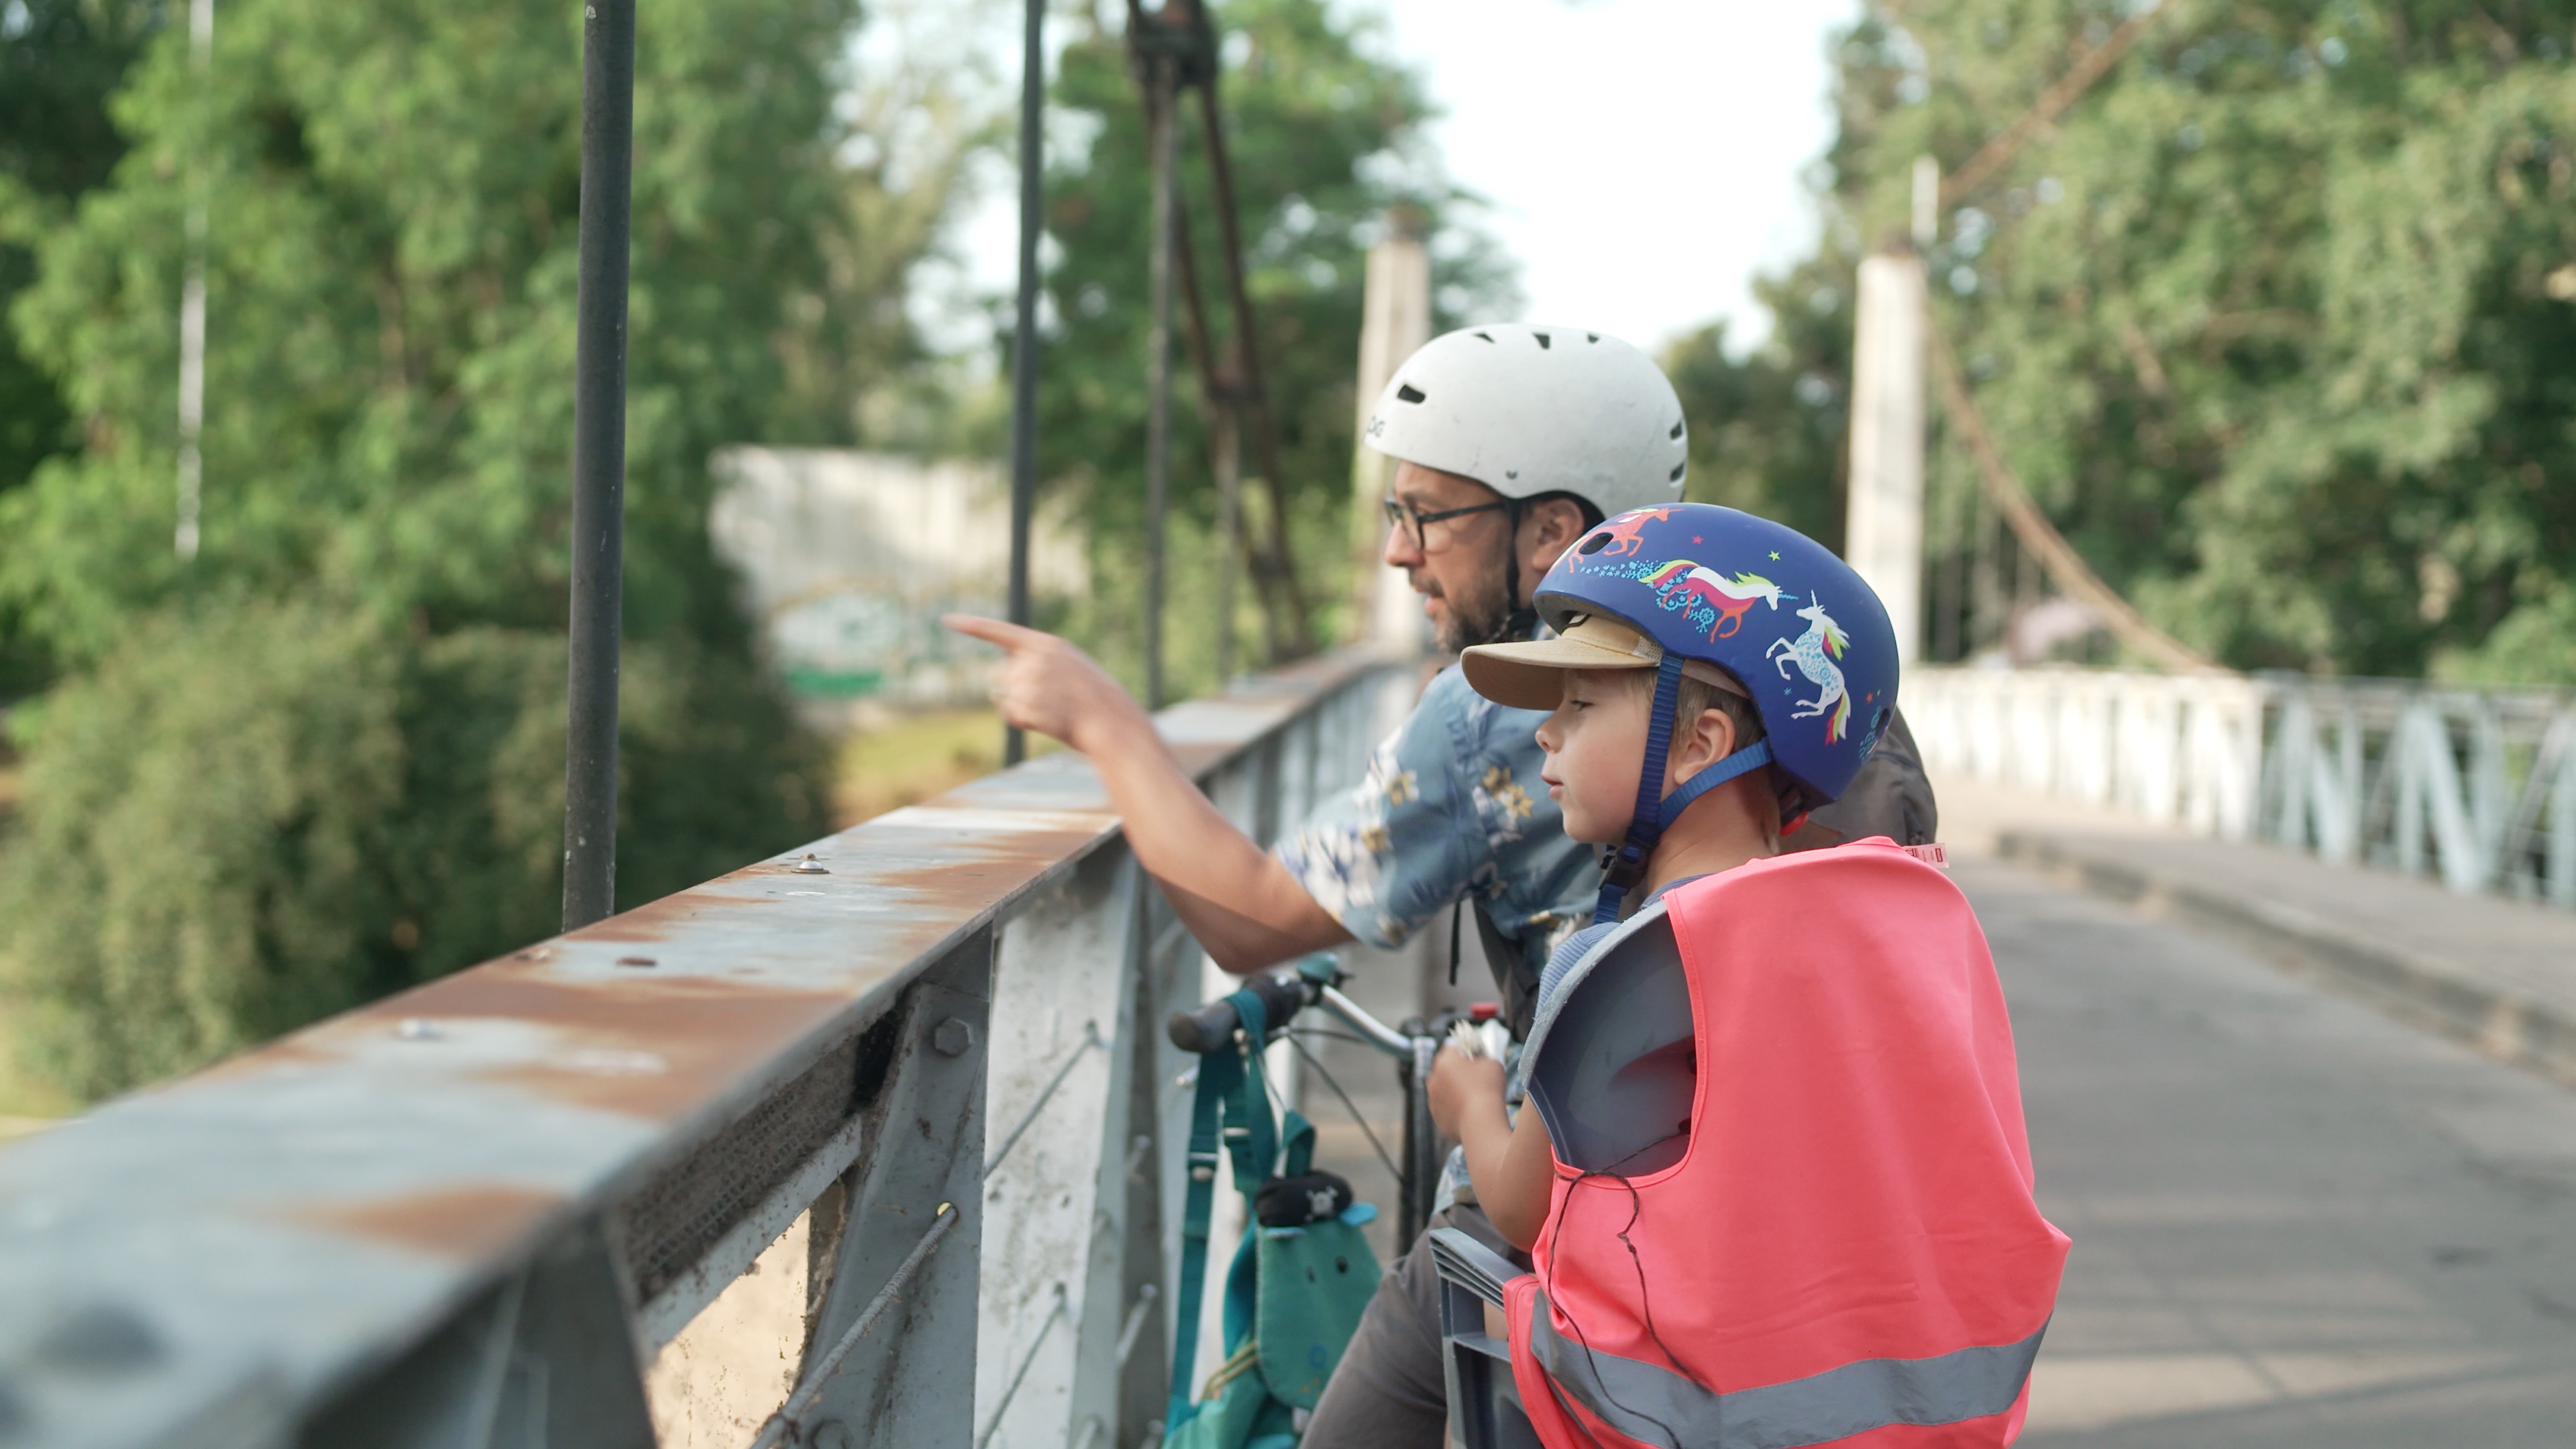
(1624, 534)
(1730, 598)
(1814, 652)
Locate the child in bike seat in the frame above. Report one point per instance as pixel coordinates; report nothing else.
(1771, 1171)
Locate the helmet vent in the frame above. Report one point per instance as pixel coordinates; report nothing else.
(1677, 430)
(1594, 544)
(1677, 472)
(1542, 340)
(1407, 392)
(1591, 336)
(1488, 336)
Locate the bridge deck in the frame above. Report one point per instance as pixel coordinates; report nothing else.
(2296, 1221)
(2499, 974)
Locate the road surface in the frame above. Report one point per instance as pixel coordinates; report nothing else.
(2296, 1221)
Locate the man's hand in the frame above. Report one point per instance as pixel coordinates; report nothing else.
(1464, 1089)
(1049, 686)
(1239, 902)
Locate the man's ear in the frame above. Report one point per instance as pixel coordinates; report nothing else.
(1548, 529)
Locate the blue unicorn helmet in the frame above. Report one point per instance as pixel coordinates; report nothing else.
(1787, 622)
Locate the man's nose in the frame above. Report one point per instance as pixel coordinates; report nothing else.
(1400, 552)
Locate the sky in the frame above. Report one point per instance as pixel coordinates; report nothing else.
(1642, 158)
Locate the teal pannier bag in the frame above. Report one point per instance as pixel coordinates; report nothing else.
(1294, 1293)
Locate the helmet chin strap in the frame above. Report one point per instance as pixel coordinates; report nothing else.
(1625, 866)
(1520, 620)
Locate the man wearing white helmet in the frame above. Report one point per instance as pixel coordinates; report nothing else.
(1511, 442)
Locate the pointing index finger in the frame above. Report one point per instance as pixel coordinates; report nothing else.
(992, 631)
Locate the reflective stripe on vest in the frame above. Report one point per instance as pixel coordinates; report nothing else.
(1652, 1404)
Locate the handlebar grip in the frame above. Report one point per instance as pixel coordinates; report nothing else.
(1213, 1025)
(1204, 1030)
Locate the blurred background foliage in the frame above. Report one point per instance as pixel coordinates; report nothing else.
(323, 760)
(1324, 135)
(2278, 322)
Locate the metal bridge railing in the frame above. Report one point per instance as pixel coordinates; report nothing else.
(2475, 786)
(887, 1121)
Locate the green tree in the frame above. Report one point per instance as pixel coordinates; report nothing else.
(1767, 428)
(59, 62)
(323, 759)
(1324, 135)
(2275, 322)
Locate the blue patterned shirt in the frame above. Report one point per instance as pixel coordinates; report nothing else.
(1452, 806)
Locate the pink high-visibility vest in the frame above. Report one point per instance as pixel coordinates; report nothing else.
(1848, 1252)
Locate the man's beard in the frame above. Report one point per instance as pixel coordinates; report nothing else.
(1483, 618)
(1472, 623)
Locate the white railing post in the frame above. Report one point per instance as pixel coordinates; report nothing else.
(2562, 811)
(2287, 768)
(2488, 803)
(2340, 789)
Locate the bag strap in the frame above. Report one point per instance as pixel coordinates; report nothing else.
(1251, 1133)
(1297, 1149)
(1230, 1086)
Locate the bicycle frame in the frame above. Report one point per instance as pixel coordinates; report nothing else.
(1413, 1046)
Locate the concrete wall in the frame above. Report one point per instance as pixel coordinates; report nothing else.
(848, 559)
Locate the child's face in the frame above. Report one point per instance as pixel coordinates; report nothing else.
(1596, 745)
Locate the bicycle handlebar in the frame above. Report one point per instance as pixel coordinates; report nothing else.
(1212, 1026)
(1382, 1036)
(1283, 994)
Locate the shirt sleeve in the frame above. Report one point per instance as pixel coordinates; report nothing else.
(1406, 843)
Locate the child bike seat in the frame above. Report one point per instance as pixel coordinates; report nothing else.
(1611, 1066)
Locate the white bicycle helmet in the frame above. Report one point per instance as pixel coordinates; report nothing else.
(1528, 410)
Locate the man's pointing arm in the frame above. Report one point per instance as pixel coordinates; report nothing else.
(1242, 905)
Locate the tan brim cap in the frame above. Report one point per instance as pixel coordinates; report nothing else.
(1532, 675)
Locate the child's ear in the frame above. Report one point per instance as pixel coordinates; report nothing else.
(1719, 727)
(1711, 739)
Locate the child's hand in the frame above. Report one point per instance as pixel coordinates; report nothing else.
(1462, 1086)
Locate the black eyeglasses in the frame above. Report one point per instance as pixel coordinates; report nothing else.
(1417, 524)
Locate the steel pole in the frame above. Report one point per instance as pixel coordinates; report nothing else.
(1226, 445)
(599, 460)
(192, 298)
(1158, 373)
(1024, 334)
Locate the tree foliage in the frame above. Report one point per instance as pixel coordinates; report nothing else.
(60, 60)
(1767, 428)
(2277, 321)
(1324, 134)
(323, 759)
